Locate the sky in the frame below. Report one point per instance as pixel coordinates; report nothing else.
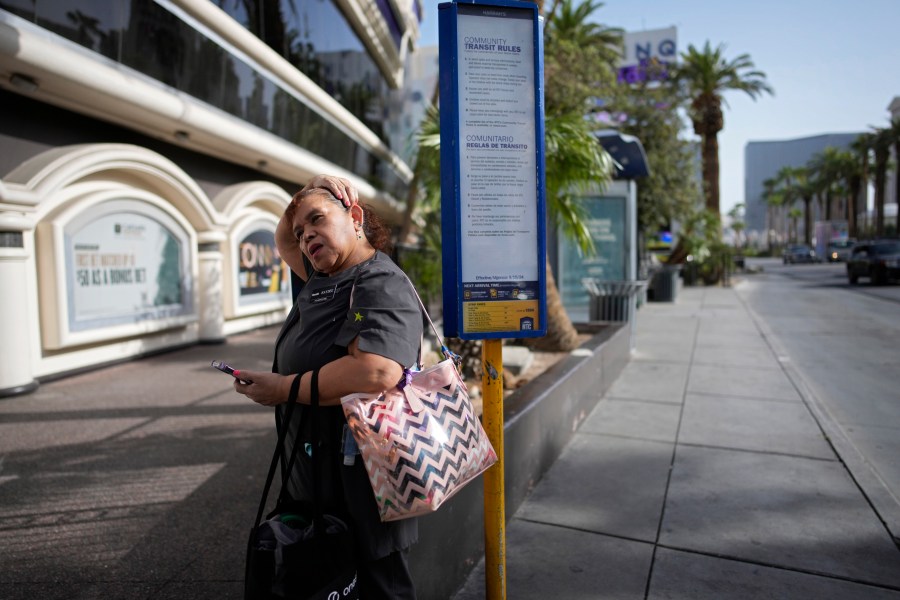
(834, 64)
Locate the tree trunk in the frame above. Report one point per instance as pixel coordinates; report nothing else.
(711, 171)
(783, 228)
(679, 253)
(853, 206)
(880, 175)
(897, 184)
(561, 335)
(807, 220)
(865, 194)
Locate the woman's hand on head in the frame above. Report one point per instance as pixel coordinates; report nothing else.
(267, 389)
(341, 188)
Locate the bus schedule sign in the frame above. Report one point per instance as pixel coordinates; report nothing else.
(492, 170)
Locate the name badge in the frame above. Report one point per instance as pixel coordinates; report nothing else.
(322, 295)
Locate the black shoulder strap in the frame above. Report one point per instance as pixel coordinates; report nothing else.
(282, 434)
(318, 520)
(279, 453)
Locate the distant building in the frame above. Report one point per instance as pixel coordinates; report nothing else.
(763, 160)
(148, 149)
(645, 52)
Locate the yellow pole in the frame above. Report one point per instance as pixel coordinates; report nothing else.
(494, 500)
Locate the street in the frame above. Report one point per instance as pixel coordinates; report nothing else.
(841, 342)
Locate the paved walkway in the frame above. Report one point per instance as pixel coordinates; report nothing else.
(702, 474)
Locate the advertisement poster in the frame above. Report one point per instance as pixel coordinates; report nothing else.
(125, 267)
(606, 224)
(499, 220)
(261, 271)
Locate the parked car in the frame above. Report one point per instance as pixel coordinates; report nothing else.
(799, 253)
(879, 261)
(839, 251)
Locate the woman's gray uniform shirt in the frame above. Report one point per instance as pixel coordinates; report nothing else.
(385, 314)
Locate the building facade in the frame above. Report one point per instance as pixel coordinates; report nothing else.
(148, 149)
(763, 160)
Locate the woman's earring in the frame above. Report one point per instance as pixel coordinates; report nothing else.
(358, 234)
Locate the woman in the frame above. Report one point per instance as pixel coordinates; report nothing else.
(358, 321)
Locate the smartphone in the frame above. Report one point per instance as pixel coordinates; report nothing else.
(225, 369)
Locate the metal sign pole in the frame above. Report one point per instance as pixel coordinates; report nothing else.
(493, 213)
(494, 493)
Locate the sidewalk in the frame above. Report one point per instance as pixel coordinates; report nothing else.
(702, 474)
(134, 481)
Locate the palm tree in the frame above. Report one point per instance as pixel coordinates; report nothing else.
(798, 183)
(805, 189)
(848, 170)
(706, 75)
(585, 52)
(822, 178)
(833, 168)
(785, 186)
(579, 56)
(737, 223)
(575, 160)
(794, 215)
(895, 138)
(861, 147)
(768, 196)
(881, 144)
(569, 21)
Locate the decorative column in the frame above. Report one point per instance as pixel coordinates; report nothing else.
(16, 376)
(210, 281)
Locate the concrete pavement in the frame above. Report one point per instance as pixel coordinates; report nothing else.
(702, 474)
(134, 481)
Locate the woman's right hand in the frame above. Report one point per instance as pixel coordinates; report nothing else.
(263, 387)
(287, 243)
(340, 187)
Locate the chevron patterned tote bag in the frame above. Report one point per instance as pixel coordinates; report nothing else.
(421, 441)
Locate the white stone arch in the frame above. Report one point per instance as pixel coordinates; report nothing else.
(54, 187)
(251, 195)
(248, 206)
(42, 179)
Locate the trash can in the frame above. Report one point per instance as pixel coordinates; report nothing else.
(664, 284)
(611, 300)
(614, 301)
(610, 308)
